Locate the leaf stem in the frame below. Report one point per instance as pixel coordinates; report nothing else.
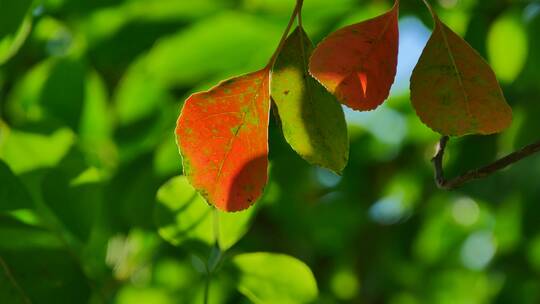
(479, 173)
(431, 11)
(207, 288)
(297, 9)
(215, 225)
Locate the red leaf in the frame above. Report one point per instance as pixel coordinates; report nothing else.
(223, 138)
(358, 63)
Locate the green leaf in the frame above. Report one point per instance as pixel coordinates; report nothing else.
(63, 93)
(312, 120)
(181, 214)
(208, 49)
(53, 90)
(25, 151)
(40, 272)
(275, 278)
(14, 27)
(18, 236)
(74, 203)
(507, 62)
(10, 45)
(13, 194)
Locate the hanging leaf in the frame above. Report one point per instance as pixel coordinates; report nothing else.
(358, 63)
(313, 122)
(454, 90)
(223, 139)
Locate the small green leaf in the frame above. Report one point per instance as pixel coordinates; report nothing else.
(198, 264)
(214, 259)
(312, 119)
(275, 278)
(181, 214)
(13, 194)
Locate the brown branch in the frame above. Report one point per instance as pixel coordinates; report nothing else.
(479, 173)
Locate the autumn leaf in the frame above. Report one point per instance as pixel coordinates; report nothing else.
(453, 89)
(312, 120)
(223, 138)
(358, 63)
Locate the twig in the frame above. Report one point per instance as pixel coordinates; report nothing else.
(479, 173)
(297, 9)
(25, 298)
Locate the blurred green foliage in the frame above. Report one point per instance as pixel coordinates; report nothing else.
(93, 208)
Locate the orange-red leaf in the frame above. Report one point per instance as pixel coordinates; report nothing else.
(454, 91)
(223, 138)
(358, 63)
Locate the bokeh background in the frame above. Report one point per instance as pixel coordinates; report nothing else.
(89, 95)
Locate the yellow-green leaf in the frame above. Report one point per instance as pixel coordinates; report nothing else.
(312, 119)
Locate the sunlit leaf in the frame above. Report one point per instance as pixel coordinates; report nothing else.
(52, 91)
(13, 194)
(275, 278)
(358, 63)
(507, 62)
(454, 91)
(312, 120)
(9, 45)
(181, 214)
(223, 138)
(25, 151)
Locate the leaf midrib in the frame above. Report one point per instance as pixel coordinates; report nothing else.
(454, 65)
(235, 135)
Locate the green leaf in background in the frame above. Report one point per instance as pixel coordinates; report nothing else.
(74, 202)
(181, 214)
(52, 90)
(46, 275)
(507, 46)
(13, 194)
(25, 151)
(106, 22)
(267, 278)
(22, 102)
(63, 92)
(14, 26)
(212, 53)
(90, 103)
(18, 236)
(312, 120)
(10, 44)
